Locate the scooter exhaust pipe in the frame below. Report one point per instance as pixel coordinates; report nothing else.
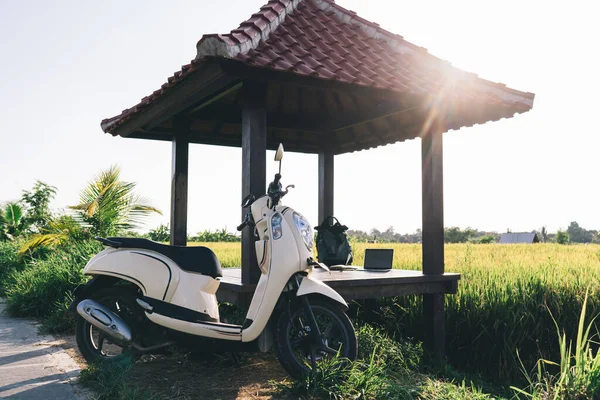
(105, 320)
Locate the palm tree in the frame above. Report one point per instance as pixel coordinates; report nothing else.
(11, 221)
(108, 205)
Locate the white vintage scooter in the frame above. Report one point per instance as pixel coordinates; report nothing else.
(145, 296)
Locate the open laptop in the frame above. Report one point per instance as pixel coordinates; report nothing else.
(379, 259)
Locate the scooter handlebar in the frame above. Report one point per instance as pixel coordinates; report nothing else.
(244, 223)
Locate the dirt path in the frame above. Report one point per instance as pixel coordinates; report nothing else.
(184, 376)
(187, 376)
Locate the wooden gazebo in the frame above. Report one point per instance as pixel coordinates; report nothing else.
(319, 79)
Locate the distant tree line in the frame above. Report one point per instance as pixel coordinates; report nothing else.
(162, 233)
(573, 234)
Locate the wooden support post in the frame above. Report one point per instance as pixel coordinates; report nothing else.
(433, 238)
(254, 165)
(326, 172)
(179, 180)
(433, 203)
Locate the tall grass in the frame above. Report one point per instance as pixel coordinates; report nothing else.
(384, 369)
(501, 300)
(578, 369)
(42, 289)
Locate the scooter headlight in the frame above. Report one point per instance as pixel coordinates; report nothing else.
(276, 226)
(305, 230)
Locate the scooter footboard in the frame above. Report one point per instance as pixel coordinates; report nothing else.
(313, 286)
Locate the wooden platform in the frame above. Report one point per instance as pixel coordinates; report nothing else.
(361, 284)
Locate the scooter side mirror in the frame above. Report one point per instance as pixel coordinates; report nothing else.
(279, 153)
(248, 200)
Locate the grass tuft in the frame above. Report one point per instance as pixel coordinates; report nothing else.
(110, 381)
(576, 376)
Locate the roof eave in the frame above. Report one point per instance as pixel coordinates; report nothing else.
(203, 80)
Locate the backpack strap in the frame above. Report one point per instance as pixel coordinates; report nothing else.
(325, 223)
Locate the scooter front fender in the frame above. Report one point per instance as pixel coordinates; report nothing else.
(313, 286)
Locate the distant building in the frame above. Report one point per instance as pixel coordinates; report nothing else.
(523, 237)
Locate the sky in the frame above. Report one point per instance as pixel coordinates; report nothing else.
(67, 64)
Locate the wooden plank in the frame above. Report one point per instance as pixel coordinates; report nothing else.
(208, 138)
(254, 164)
(179, 181)
(354, 285)
(234, 87)
(359, 277)
(433, 201)
(326, 192)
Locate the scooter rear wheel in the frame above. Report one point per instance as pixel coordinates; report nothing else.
(94, 345)
(298, 351)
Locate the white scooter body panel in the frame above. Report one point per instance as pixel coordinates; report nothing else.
(158, 277)
(285, 257)
(212, 330)
(313, 286)
(283, 263)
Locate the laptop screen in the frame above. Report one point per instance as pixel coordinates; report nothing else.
(379, 258)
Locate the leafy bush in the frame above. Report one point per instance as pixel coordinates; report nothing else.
(562, 237)
(487, 239)
(59, 230)
(109, 206)
(12, 223)
(43, 289)
(217, 236)
(9, 262)
(160, 234)
(37, 202)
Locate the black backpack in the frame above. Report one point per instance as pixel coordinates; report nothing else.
(332, 244)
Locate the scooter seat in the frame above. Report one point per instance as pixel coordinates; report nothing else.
(199, 259)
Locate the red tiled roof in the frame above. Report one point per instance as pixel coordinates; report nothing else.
(320, 39)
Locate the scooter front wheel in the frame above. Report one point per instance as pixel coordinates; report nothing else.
(299, 348)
